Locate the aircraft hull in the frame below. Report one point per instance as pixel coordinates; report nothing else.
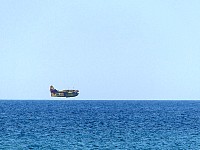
(63, 93)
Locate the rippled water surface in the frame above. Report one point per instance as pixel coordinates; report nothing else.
(102, 125)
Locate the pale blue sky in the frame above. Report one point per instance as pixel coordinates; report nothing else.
(108, 49)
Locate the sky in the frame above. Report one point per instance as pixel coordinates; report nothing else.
(108, 50)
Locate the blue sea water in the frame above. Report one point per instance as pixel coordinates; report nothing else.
(103, 125)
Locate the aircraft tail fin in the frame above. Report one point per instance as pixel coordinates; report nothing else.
(51, 87)
(53, 90)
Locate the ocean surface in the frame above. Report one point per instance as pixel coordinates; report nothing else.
(99, 125)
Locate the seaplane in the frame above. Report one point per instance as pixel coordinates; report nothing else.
(63, 93)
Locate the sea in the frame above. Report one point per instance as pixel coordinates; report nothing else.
(99, 125)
